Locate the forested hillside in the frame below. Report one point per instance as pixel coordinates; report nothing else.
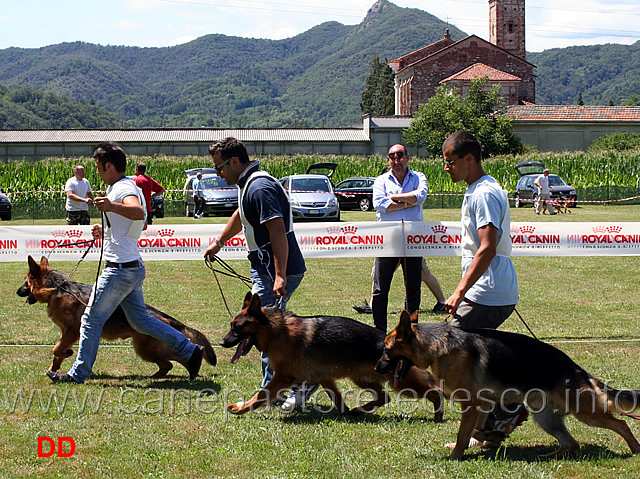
(314, 79)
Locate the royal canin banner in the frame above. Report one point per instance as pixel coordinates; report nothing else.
(328, 240)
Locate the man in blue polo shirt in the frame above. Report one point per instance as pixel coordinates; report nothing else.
(264, 212)
(398, 195)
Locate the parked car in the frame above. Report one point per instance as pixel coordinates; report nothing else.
(312, 197)
(157, 204)
(5, 207)
(355, 193)
(526, 190)
(219, 197)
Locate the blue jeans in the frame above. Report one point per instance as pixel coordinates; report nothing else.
(263, 287)
(121, 287)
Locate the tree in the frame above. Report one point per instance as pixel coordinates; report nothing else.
(633, 100)
(480, 112)
(580, 101)
(378, 98)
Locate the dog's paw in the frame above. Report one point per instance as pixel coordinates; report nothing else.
(236, 408)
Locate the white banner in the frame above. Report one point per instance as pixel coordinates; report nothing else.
(329, 240)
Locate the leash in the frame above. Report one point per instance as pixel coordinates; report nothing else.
(229, 272)
(524, 322)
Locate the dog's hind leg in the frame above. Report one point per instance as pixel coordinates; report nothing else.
(552, 423)
(608, 421)
(275, 389)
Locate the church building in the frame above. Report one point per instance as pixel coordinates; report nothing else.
(502, 59)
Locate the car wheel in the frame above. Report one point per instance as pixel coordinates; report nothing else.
(187, 211)
(6, 217)
(516, 201)
(364, 203)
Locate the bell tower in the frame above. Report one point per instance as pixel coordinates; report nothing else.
(506, 25)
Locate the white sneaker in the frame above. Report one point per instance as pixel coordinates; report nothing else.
(299, 395)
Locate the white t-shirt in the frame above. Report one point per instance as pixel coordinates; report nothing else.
(121, 238)
(543, 182)
(80, 188)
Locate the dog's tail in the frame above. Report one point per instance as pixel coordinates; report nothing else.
(194, 335)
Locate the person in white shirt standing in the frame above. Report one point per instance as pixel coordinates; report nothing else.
(79, 197)
(542, 182)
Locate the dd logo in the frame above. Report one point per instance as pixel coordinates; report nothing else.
(49, 450)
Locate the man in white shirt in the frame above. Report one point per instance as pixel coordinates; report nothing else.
(542, 182)
(79, 197)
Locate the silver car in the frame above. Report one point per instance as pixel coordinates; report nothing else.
(312, 197)
(219, 197)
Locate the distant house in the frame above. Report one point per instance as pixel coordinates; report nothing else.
(502, 59)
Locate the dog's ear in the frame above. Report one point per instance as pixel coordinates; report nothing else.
(255, 306)
(34, 268)
(44, 261)
(247, 299)
(404, 330)
(414, 317)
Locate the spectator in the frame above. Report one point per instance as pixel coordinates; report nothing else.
(79, 197)
(150, 188)
(198, 197)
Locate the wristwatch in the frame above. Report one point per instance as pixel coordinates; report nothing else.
(219, 243)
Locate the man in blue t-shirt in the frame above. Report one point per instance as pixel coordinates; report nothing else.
(264, 212)
(198, 197)
(488, 291)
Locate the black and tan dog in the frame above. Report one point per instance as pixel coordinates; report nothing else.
(319, 349)
(66, 301)
(480, 368)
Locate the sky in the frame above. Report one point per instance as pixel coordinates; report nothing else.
(158, 23)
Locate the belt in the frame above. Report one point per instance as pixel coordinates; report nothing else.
(131, 264)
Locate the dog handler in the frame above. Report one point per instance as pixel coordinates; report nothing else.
(120, 283)
(264, 211)
(488, 291)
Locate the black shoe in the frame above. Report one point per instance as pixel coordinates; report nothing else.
(57, 377)
(439, 309)
(366, 309)
(195, 361)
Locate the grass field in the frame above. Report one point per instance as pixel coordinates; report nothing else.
(125, 424)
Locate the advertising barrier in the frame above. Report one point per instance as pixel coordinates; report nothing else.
(329, 240)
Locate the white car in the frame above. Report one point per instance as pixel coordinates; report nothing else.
(312, 197)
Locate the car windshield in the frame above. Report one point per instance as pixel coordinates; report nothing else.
(214, 183)
(310, 184)
(556, 181)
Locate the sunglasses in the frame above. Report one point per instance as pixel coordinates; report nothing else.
(397, 154)
(218, 168)
(449, 162)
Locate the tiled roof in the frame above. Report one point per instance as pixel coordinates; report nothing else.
(574, 112)
(409, 58)
(205, 135)
(480, 70)
(395, 121)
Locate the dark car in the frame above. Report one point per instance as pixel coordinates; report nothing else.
(355, 193)
(526, 190)
(219, 197)
(5, 207)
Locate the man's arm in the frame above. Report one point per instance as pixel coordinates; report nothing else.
(280, 246)
(129, 208)
(488, 235)
(232, 228)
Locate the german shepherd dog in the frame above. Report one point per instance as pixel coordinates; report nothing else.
(483, 368)
(66, 301)
(319, 349)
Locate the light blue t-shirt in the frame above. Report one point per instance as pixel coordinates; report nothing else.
(197, 186)
(485, 202)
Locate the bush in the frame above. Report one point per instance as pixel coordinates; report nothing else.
(618, 141)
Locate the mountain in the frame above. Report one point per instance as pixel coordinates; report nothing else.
(599, 72)
(313, 79)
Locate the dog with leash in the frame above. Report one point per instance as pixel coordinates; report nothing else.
(480, 369)
(319, 349)
(66, 300)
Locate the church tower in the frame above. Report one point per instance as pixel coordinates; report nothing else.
(506, 25)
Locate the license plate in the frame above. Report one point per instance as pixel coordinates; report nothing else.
(228, 205)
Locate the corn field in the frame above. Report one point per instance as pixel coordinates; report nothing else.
(604, 175)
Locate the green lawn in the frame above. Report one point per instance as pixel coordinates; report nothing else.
(125, 424)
